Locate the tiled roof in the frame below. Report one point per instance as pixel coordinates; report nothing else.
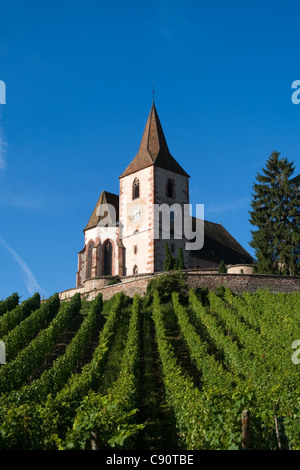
(153, 149)
(220, 245)
(105, 198)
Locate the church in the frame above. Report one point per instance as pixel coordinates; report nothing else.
(124, 236)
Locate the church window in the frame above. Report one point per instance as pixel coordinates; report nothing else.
(90, 261)
(107, 249)
(135, 249)
(170, 189)
(135, 270)
(136, 189)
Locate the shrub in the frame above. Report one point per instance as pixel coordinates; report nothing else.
(114, 281)
(165, 284)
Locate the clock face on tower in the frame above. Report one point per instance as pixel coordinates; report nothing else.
(135, 214)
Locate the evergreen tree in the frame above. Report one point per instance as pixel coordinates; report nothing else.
(169, 259)
(222, 267)
(180, 259)
(276, 214)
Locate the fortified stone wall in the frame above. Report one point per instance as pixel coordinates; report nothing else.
(238, 283)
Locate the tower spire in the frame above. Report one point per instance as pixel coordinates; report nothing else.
(153, 91)
(153, 149)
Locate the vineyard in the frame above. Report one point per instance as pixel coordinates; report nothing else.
(173, 371)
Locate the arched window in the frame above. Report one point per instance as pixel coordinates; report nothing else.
(135, 189)
(89, 260)
(170, 189)
(107, 251)
(135, 270)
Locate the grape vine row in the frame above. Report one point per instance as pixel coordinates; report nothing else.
(235, 354)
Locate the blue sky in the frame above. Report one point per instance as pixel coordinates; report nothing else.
(79, 81)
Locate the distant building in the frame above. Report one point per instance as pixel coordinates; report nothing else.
(119, 238)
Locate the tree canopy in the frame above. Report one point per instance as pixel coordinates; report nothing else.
(276, 215)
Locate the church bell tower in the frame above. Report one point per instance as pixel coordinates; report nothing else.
(153, 177)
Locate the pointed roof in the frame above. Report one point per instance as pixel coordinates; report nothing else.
(105, 198)
(154, 149)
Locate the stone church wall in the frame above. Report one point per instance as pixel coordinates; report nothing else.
(181, 197)
(137, 237)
